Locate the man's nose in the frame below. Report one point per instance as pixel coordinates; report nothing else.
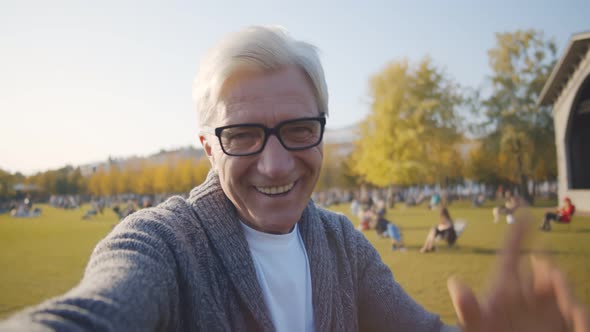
(275, 161)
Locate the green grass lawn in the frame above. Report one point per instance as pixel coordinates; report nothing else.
(45, 256)
(424, 276)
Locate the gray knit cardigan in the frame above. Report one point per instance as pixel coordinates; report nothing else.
(185, 266)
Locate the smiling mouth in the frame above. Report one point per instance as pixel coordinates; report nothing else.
(276, 190)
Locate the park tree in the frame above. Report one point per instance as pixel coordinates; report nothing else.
(76, 182)
(131, 175)
(62, 185)
(162, 177)
(335, 173)
(114, 181)
(95, 186)
(7, 182)
(411, 133)
(126, 180)
(201, 170)
(142, 176)
(183, 177)
(521, 131)
(188, 173)
(63, 181)
(481, 165)
(145, 179)
(46, 181)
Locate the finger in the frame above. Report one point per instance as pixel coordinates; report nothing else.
(545, 298)
(580, 319)
(527, 285)
(466, 305)
(506, 291)
(508, 263)
(565, 298)
(542, 283)
(572, 311)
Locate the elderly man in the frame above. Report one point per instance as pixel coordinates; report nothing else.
(249, 250)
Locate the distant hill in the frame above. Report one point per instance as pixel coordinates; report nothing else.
(157, 158)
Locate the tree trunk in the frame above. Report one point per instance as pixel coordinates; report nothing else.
(390, 196)
(524, 185)
(524, 188)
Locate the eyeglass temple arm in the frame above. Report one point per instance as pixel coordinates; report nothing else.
(207, 130)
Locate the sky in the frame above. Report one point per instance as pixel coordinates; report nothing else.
(84, 80)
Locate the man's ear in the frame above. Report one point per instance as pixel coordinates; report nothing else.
(206, 145)
(208, 150)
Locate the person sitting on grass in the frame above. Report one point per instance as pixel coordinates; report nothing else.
(478, 200)
(89, 214)
(365, 217)
(563, 215)
(445, 230)
(385, 228)
(434, 201)
(507, 209)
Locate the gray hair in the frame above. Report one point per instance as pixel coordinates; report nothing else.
(257, 47)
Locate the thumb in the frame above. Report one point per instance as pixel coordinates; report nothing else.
(466, 305)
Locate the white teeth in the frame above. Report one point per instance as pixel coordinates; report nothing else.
(276, 190)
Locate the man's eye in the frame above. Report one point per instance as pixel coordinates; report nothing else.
(242, 136)
(231, 133)
(300, 131)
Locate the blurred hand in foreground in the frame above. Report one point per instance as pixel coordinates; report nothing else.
(534, 299)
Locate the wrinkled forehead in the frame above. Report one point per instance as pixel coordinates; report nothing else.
(283, 94)
(280, 102)
(264, 110)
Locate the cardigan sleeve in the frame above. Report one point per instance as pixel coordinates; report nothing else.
(129, 285)
(383, 304)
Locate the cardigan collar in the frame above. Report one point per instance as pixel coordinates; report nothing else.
(220, 221)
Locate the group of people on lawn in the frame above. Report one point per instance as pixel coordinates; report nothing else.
(372, 216)
(512, 203)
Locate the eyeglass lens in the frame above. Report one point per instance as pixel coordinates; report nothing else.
(250, 139)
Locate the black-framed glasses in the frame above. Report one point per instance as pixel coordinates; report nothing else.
(250, 138)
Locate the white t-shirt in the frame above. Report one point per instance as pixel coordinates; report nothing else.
(282, 270)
